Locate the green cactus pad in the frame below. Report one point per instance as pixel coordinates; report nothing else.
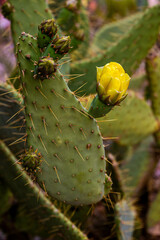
(137, 82)
(128, 51)
(153, 75)
(136, 169)
(130, 122)
(153, 216)
(73, 158)
(26, 16)
(111, 33)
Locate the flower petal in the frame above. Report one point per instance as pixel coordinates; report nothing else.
(99, 72)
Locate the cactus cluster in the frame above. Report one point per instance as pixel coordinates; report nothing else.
(68, 154)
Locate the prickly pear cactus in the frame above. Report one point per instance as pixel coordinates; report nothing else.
(73, 158)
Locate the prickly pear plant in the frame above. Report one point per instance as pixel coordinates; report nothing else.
(51, 145)
(55, 119)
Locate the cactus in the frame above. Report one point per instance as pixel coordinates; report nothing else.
(64, 159)
(50, 103)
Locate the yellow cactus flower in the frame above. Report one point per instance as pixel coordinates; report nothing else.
(112, 83)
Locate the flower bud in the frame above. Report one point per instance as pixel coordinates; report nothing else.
(112, 83)
(46, 31)
(46, 67)
(61, 45)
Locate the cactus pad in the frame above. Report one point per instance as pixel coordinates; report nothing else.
(111, 33)
(130, 122)
(153, 217)
(73, 158)
(136, 169)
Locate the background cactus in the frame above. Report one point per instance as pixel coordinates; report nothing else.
(48, 136)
